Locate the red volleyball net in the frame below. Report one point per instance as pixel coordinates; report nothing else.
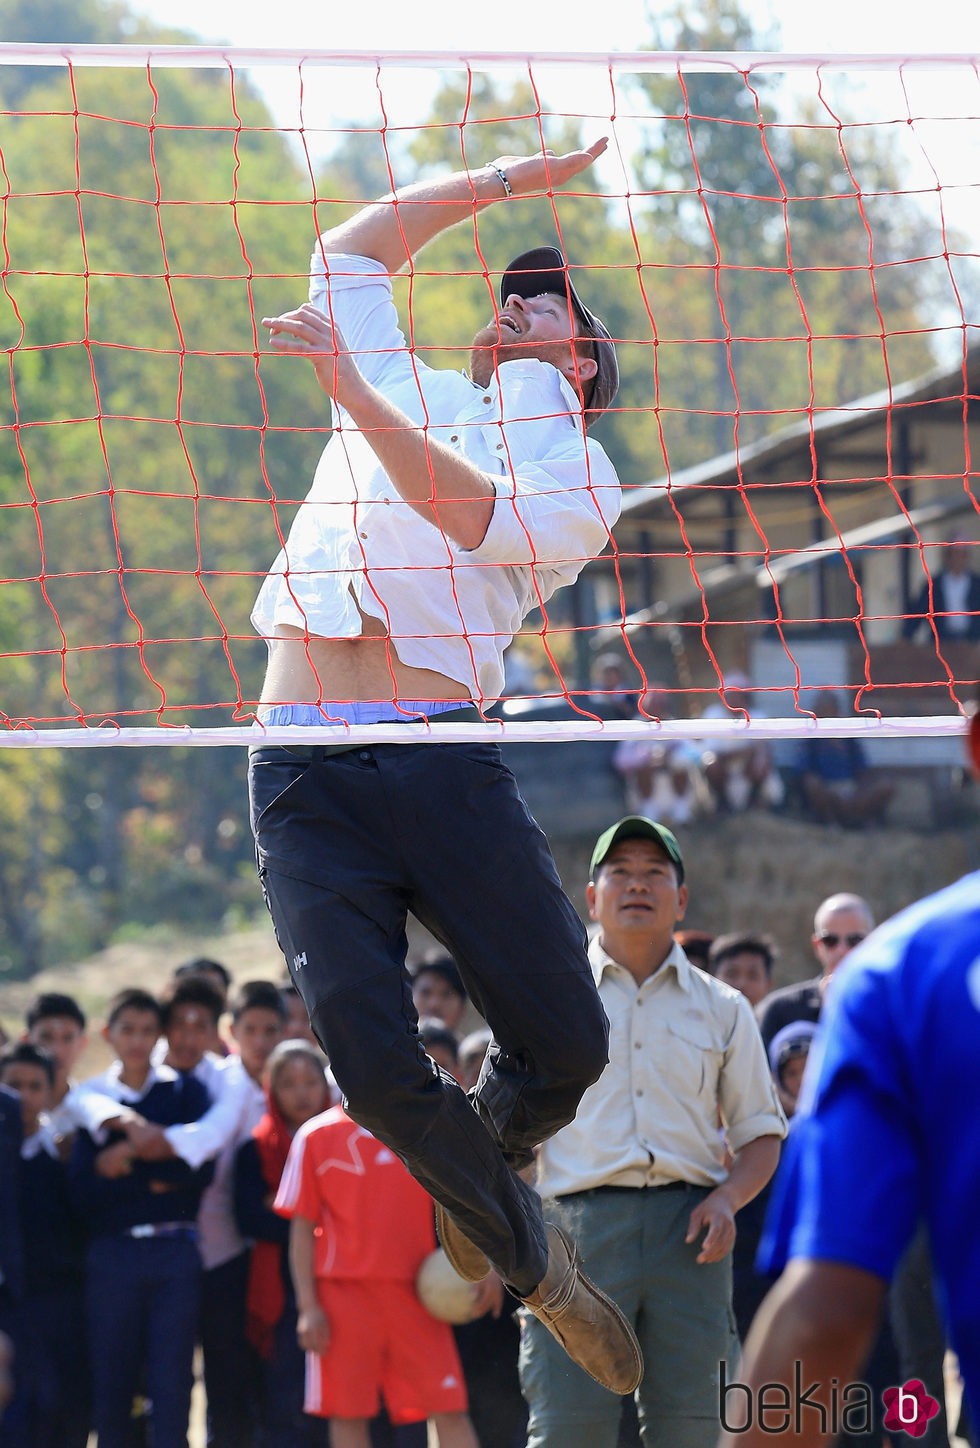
(778, 244)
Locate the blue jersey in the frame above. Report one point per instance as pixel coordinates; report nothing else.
(888, 1130)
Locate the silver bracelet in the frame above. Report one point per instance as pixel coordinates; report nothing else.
(502, 176)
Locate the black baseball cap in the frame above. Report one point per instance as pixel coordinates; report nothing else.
(544, 270)
(638, 827)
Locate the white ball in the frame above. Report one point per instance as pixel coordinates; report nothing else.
(442, 1292)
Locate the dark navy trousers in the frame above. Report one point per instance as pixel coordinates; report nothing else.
(230, 1364)
(143, 1299)
(52, 1370)
(347, 845)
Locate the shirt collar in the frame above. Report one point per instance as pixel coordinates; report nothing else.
(157, 1072)
(39, 1142)
(517, 370)
(676, 961)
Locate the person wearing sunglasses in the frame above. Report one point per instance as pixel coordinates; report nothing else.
(841, 922)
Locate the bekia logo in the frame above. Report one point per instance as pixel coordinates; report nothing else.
(831, 1408)
(780, 1408)
(908, 1409)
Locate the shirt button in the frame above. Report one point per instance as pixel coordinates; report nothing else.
(488, 399)
(500, 447)
(363, 535)
(455, 437)
(637, 1045)
(640, 1091)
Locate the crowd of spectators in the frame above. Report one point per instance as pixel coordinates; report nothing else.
(145, 1229)
(180, 1208)
(827, 780)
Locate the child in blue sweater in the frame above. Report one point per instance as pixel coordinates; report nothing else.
(143, 1264)
(50, 1340)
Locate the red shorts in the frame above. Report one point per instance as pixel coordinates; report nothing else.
(382, 1343)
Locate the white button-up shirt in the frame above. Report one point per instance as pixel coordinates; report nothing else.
(685, 1056)
(355, 543)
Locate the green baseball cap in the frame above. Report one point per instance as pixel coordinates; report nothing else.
(638, 827)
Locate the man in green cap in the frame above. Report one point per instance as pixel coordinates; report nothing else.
(682, 1128)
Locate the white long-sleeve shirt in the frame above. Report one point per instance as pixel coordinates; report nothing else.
(356, 544)
(237, 1103)
(90, 1104)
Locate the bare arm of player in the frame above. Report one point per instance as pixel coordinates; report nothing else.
(392, 229)
(312, 1327)
(444, 488)
(754, 1164)
(820, 1320)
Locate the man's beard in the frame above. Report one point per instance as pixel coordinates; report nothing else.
(487, 352)
(490, 349)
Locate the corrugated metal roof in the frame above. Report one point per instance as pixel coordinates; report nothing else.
(946, 383)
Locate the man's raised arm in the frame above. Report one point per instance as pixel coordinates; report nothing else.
(392, 229)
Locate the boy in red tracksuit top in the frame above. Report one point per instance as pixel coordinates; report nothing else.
(361, 1227)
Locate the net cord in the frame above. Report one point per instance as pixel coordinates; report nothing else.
(506, 731)
(640, 61)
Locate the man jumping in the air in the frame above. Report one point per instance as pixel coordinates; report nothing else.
(444, 508)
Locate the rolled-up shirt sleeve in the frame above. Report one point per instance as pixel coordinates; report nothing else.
(747, 1096)
(557, 511)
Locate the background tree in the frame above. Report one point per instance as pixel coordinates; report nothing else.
(765, 212)
(138, 500)
(155, 452)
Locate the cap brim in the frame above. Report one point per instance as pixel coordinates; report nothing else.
(638, 827)
(543, 269)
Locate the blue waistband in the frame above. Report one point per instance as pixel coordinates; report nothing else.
(358, 711)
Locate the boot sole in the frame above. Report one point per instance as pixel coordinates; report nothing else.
(469, 1264)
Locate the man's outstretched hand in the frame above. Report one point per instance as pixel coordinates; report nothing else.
(531, 175)
(308, 332)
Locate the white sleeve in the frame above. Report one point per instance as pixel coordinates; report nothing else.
(355, 293)
(557, 512)
(747, 1096)
(89, 1108)
(199, 1141)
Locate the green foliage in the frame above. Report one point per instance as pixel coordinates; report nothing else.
(762, 217)
(152, 452)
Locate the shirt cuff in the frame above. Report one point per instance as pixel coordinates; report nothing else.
(766, 1123)
(181, 1142)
